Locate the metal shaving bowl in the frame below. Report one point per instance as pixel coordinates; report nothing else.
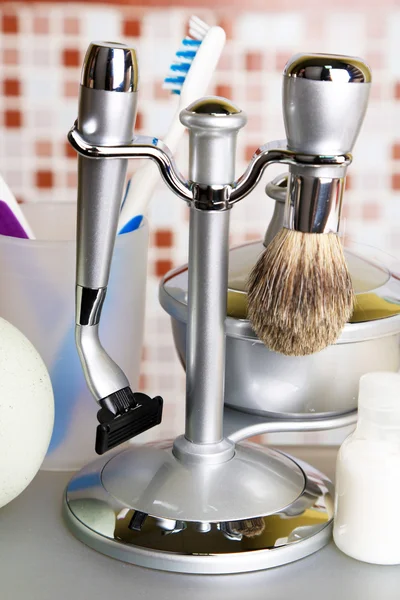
(262, 382)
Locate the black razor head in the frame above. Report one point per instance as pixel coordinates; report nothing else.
(134, 414)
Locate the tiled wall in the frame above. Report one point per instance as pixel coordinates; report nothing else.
(41, 51)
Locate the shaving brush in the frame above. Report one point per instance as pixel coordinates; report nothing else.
(300, 294)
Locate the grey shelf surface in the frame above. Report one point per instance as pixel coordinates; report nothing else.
(41, 560)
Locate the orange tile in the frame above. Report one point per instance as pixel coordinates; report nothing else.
(71, 26)
(142, 382)
(44, 179)
(227, 25)
(44, 148)
(348, 184)
(396, 151)
(69, 152)
(223, 90)
(9, 23)
(371, 212)
(71, 89)
(397, 91)
(139, 121)
(225, 63)
(71, 57)
(40, 25)
(255, 123)
(132, 28)
(159, 92)
(346, 210)
(252, 236)
(396, 181)
(12, 118)
(11, 87)
(254, 61)
(281, 59)
(162, 266)
(72, 179)
(163, 238)
(375, 60)
(10, 56)
(248, 152)
(254, 93)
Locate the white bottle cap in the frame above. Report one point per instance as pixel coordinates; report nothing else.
(379, 399)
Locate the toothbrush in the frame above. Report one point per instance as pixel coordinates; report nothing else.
(188, 78)
(190, 75)
(14, 213)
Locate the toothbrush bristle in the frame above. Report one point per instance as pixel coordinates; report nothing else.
(185, 55)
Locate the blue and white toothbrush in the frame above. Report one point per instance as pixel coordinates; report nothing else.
(189, 77)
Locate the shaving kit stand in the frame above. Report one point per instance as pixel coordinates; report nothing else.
(207, 502)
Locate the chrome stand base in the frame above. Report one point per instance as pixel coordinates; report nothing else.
(259, 510)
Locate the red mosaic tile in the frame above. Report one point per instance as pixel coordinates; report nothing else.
(12, 118)
(9, 23)
(10, 56)
(71, 26)
(396, 181)
(348, 184)
(69, 152)
(132, 28)
(44, 179)
(44, 148)
(371, 212)
(162, 267)
(396, 151)
(71, 89)
(142, 382)
(396, 91)
(223, 90)
(41, 25)
(163, 238)
(254, 61)
(11, 87)
(71, 57)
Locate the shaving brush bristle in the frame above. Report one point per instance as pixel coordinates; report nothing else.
(300, 293)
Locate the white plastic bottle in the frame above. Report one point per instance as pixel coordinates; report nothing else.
(367, 523)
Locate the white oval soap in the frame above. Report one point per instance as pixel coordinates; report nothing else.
(26, 412)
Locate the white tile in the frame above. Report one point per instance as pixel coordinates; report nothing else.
(101, 24)
(270, 30)
(392, 44)
(42, 85)
(345, 33)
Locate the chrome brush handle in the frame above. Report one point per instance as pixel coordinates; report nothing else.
(325, 99)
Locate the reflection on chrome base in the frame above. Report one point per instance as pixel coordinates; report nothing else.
(107, 522)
